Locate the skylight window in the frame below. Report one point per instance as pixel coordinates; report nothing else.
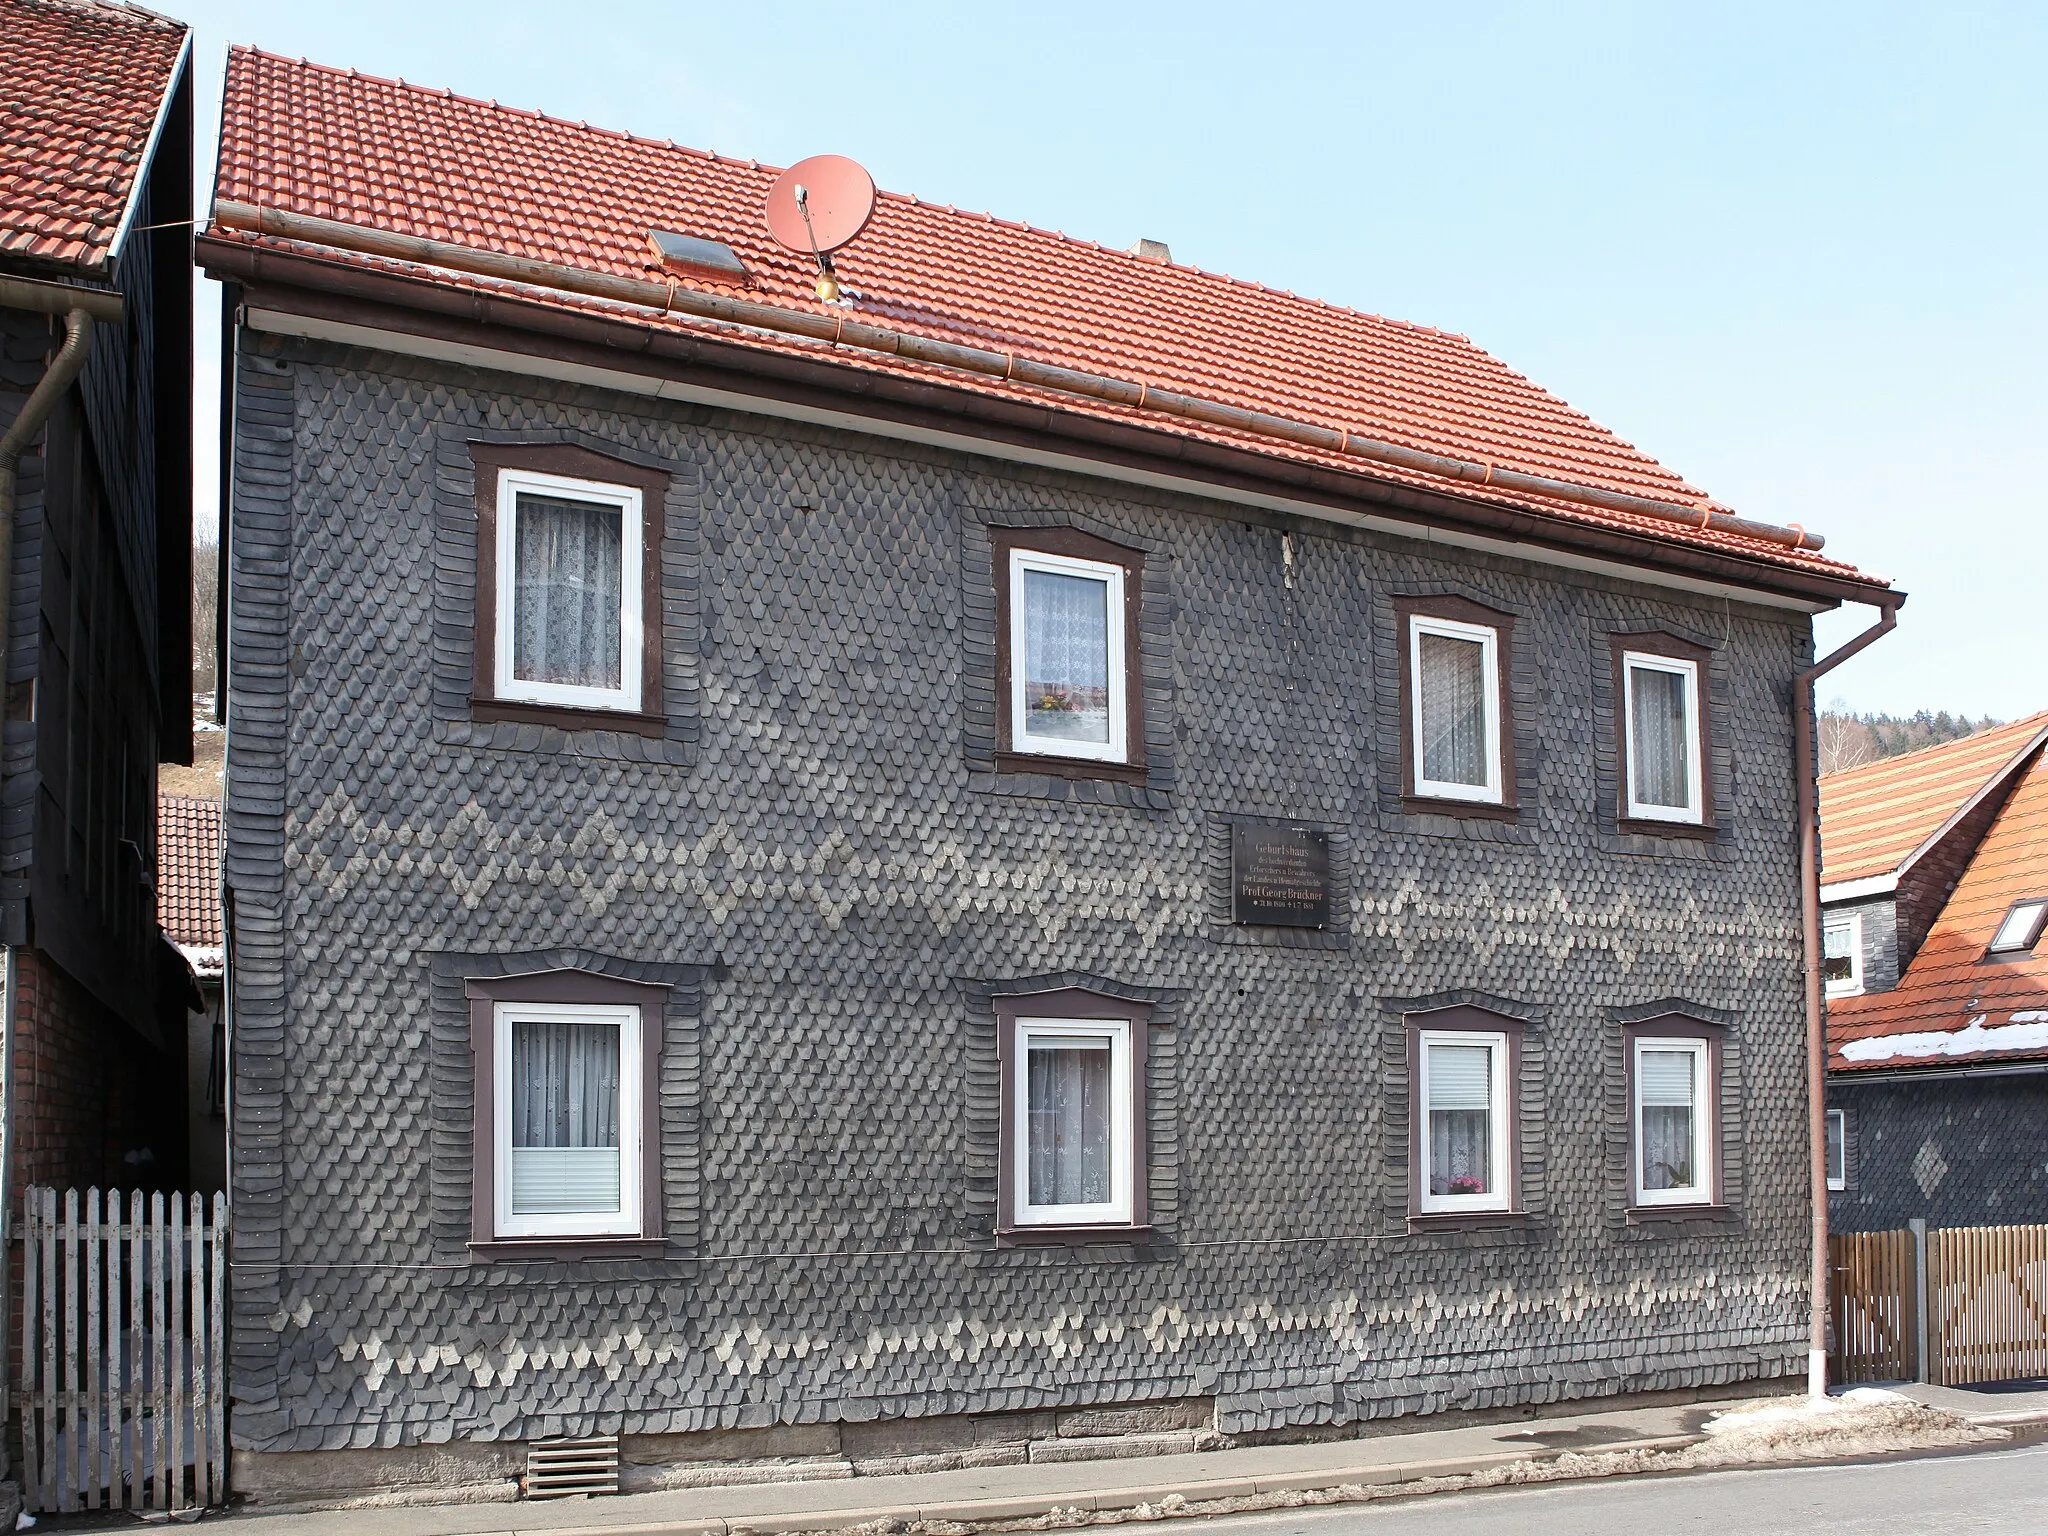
(2022, 926)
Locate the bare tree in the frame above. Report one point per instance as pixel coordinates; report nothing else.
(205, 606)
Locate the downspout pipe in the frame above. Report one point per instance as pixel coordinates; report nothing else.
(1803, 730)
(1009, 367)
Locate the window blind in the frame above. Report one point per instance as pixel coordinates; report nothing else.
(1665, 1078)
(1460, 1076)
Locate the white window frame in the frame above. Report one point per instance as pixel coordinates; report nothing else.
(626, 1221)
(1694, 810)
(1116, 1211)
(1837, 1149)
(2026, 935)
(1852, 985)
(1117, 748)
(1701, 1192)
(1489, 793)
(1500, 1194)
(632, 637)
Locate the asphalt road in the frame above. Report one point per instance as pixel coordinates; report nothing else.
(1994, 1492)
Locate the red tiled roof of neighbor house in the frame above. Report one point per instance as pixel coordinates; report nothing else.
(305, 139)
(188, 871)
(1958, 1004)
(82, 87)
(1873, 819)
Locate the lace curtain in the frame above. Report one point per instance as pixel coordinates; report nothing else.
(565, 1118)
(1068, 1123)
(1066, 656)
(1664, 1081)
(567, 578)
(1453, 687)
(1658, 738)
(1460, 1114)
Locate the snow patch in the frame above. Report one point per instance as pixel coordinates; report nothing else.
(2027, 1032)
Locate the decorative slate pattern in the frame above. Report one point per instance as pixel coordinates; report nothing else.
(1955, 1152)
(81, 86)
(834, 845)
(383, 154)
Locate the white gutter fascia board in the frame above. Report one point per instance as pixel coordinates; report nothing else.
(284, 323)
(144, 165)
(1853, 890)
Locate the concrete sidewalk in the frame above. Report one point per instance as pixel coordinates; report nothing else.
(1016, 1492)
(1991, 1410)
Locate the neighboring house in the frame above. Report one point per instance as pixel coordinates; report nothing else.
(188, 908)
(95, 491)
(871, 884)
(1935, 890)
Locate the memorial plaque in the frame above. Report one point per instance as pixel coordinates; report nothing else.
(1280, 876)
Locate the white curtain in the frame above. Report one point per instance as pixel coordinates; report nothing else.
(1068, 1123)
(1460, 1114)
(1664, 1080)
(565, 1118)
(567, 591)
(1066, 656)
(1837, 959)
(1453, 687)
(1658, 738)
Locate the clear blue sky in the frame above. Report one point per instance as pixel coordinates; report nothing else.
(1796, 252)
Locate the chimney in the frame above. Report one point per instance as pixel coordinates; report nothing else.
(1154, 251)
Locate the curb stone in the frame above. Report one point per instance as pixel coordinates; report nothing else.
(1033, 1506)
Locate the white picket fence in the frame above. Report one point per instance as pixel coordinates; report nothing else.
(123, 1393)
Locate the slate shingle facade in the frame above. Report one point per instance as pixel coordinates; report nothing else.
(821, 858)
(1951, 1151)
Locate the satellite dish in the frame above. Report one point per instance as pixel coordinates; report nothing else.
(837, 200)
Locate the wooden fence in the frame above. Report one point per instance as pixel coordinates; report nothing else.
(1871, 1306)
(1981, 1305)
(123, 1397)
(1985, 1303)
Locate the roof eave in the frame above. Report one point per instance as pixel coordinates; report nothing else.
(624, 341)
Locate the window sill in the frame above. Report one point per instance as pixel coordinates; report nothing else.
(1704, 831)
(568, 1248)
(1646, 1215)
(1069, 1237)
(1069, 767)
(1473, 810)
(564, 718)
(1465, 1221)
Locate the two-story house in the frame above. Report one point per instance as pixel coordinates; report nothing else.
(1003, 849)
(1935, 897)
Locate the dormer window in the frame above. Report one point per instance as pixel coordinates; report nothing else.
(2021, 929)
(1841, 954)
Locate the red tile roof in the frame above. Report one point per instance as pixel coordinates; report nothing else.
(1873, 819)
(188, 871)
(82, 85)
(1956, 1005)
(333, 144)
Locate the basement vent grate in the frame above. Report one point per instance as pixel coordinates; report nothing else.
(560, 1469)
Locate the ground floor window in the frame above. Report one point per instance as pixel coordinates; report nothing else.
(1838, 1149)
(1674, 1090)
(1465, 1133)
(1073, 1115)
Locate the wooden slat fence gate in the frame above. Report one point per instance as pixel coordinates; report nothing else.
(1987, 1303)
(1871, 1306)
(123, 1397)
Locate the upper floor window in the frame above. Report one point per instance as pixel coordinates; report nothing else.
(1663, 738)
(2021, 929)
(1457, 734)
(1067, 647)
(569, 588)
(1841, 949)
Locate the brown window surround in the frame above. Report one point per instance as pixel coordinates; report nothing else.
(1068, 1003)
(582, 464)
(1460, 610)
(1657, 643)
(562, 987)
(1477, 1021)
(1675, 1026)
(1079, 546)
